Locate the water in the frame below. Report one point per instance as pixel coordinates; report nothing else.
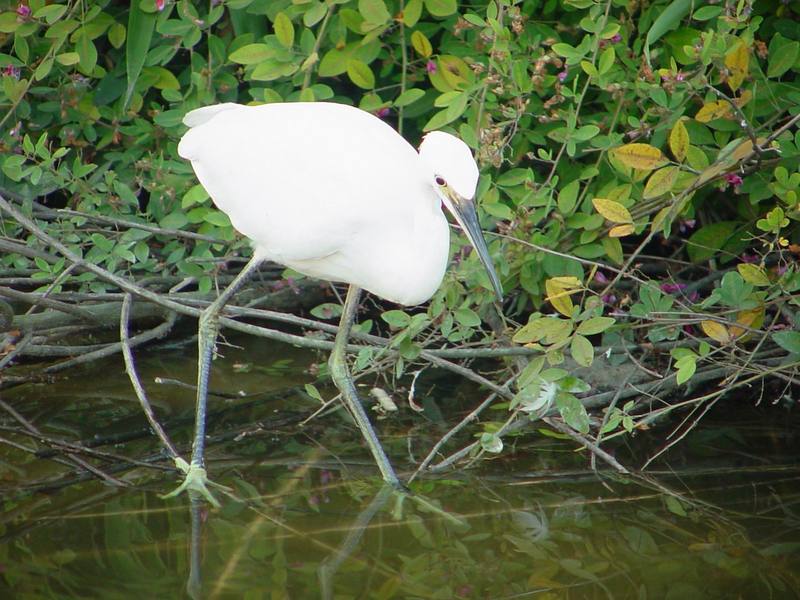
(717, 518)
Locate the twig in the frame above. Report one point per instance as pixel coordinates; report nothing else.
(75, 459)
(592, 447)
(130, 369)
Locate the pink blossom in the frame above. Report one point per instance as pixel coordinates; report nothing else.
(616, 38)
(563, 75)
(382, 112)
(160, 4)
(600, 277)
(672, 288)
(11, 71)
(23, 10)
(430, 67)
(687, 225)
(733, 179)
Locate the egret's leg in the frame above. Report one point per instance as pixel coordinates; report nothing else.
(207, 331)
(344, 381)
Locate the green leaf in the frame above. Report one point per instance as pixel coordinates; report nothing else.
(437, 121)
(312, 391)
(67, 58)
(491, 442)
(412, 12)
(195, 195)
(788, 340)
(573, 412)
(782, 59)
(409, 97)
(327, 311)
(582, 350)
(374, 11)
(360, 74)
(284, 30)
(595, 325)
(753, 274)
(606, 60)
(116, 35)
(140, 33)
(568, 196)
(707, 241)
(396, 318)
(218, 218)
(252, 54)
(441, 8)
(706, 13)
(686, 367)
(51, 13)
(668, 20)
(660, 182)
(467, 317)
(673, 504)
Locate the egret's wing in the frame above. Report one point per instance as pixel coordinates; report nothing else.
(302, 180)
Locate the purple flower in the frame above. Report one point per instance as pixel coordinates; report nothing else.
(600, 277)
(749, 258)
(733, 179)
(616, 38)
(430, 67)
(23, 10)
(672, 288)
(687, 225)
(160, 4)
(382, 112)
(609, 299)
(11, 71)
(563, 76)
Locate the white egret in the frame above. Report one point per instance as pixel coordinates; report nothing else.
(335, 193)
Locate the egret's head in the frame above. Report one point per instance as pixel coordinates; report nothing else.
(455, 179)
(451, 161)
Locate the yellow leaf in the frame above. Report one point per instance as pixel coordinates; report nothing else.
(640, 156)
(752, 318)
(613, 211)
(679, 140)
(713, 110)
(558, 295)
(421, 44)
(621, 230)
(743, 99)
(753, 274)
(716, 331)
(568, 282)
(738, 62)
(660, 182)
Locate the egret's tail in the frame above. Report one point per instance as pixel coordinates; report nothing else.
(188, 146)
(198, 116)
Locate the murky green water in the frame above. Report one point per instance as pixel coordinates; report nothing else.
(718, 518)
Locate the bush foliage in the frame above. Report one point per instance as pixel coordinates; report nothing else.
(639, 159)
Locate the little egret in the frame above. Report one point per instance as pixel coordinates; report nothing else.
(334, 193)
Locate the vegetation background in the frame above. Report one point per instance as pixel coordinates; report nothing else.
(639, 185)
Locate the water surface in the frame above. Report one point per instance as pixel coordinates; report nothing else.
(307, 518)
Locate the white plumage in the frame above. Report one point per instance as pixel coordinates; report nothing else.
(332, 191)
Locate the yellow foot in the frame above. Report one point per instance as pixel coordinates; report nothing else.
(195, 480)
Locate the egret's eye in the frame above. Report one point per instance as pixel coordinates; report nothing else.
(440, 181)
